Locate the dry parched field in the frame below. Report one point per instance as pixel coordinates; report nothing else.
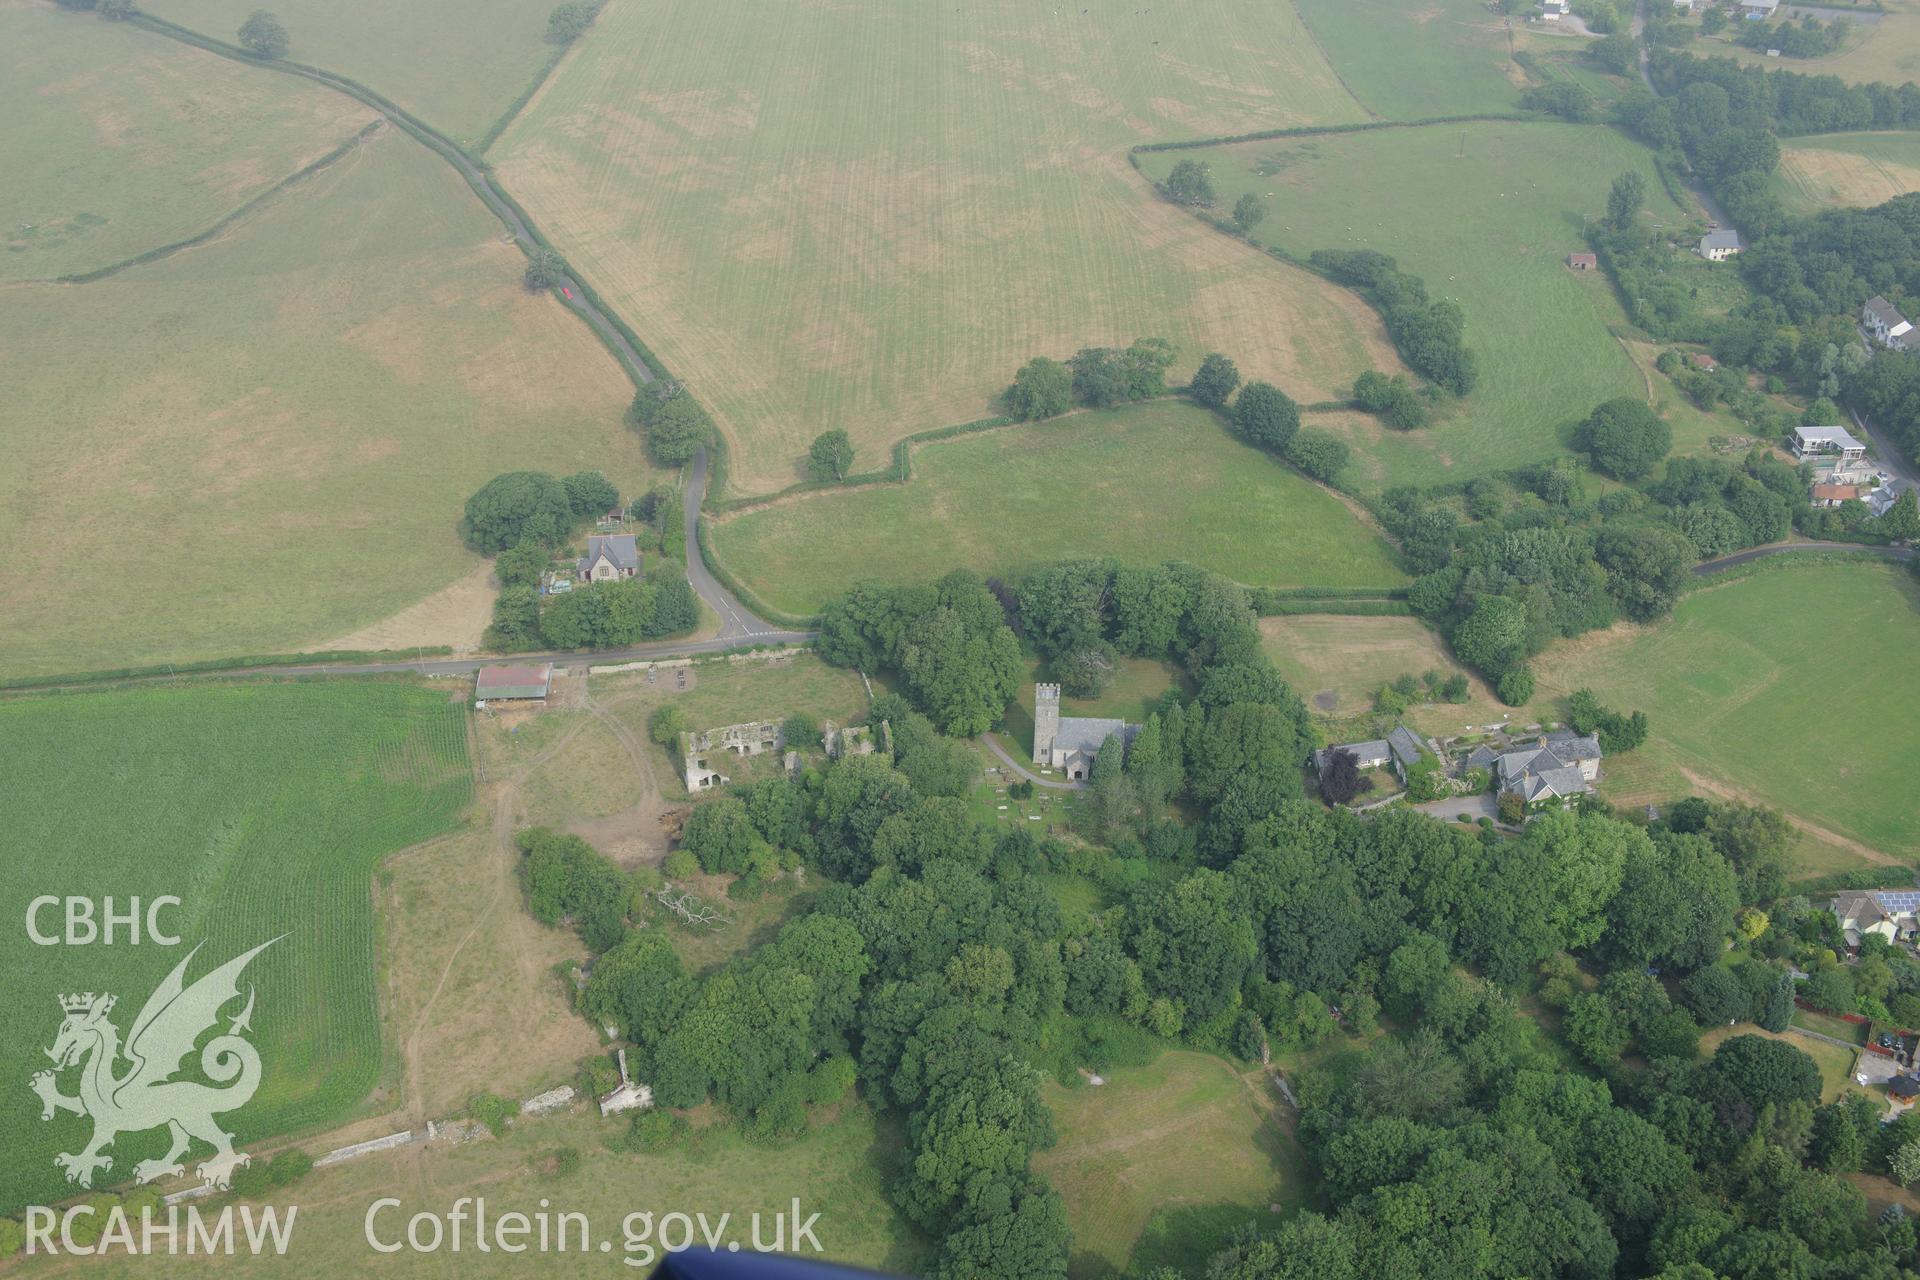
(868, 216)
(457, 64)
(263, 444)
(1849, 169)
(118, 141)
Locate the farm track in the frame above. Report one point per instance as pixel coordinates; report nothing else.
(1709, 567)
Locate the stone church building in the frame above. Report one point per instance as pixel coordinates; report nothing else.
(1070, 743)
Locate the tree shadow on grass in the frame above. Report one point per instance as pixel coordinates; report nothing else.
(1185, 1238)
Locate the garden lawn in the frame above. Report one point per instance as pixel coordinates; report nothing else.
(1793, 687)
(1337, 663)
(119, 141)
(1847, 169)
(1835, 1062)
(869, 216)
(1147, 484)
(1184, 1141)
(265, 808)
(1414, 59)
(264, 444)
(1489, 229)
(457, 64)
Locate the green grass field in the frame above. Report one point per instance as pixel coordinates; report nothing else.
(1152, 483)
(840, 1169)
(264, 444)
(1414, 59)
(119, 141)
(1847, 169)
(1794, 687)
(457, 64)
(1887, 50)
(1490, 228)
(1184, 1143)
(868, 217)
(265, 808)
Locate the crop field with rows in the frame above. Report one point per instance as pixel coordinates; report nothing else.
(265, 809)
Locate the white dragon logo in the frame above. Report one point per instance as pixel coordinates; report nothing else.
(146, 1096)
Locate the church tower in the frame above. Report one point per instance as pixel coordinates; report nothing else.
(1046, 721)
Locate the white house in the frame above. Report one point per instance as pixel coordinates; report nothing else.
(1758, 10)
(1888, 913)
(1884, 323)
(1881, 500)
(1719, 244)
(1827, 444)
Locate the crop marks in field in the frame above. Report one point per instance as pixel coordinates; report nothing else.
(118, 141)
(1147, 484)
(868, 217)
(265, 809)
(457, 64)
(1855, 170)
(290, 418)
(1486, 214)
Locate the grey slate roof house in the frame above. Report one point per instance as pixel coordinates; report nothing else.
(1563, 766)
(1071, 742)
(610, 556)
(1884, 322)
(1400, 750)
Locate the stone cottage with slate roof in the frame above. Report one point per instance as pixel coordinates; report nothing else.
(1070, 743)
(1400, 749)
(1562, 766)
(610, 557)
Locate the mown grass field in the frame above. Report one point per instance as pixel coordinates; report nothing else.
(868, 217)
(265, 808)
(1184, 1142)
(265, 443)
(119, 141)
(1793, 687)
(841, 1170)
(1146, 484)
(1336, 664)
(1413, 59)
(457, 64)
(1847, 169)
(1486, 214)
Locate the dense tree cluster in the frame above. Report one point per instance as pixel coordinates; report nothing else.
(263, 35)
(950, 642)
(1808, 38)
(676, 425)
(569, 21)
(1393, 399)
(1428, 333)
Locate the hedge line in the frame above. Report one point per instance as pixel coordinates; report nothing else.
(483, 186)
(899, 471)
(1345, 608)
(1333, 593)
(746, 597)
(1316, 130)
(519, 104)
(229, 664)
(167, 250)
